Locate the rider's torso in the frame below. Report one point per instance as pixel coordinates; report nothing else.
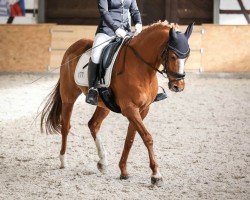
(118, 10)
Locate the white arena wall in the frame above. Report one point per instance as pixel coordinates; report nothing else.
(233, 19)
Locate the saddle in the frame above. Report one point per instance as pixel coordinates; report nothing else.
(107, 57)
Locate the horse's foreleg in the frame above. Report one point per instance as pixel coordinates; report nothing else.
(65, 122)
(127, 146)
(94, 126)
(135, 118)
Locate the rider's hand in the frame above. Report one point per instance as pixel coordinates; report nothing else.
(138, 29)
(121, 33)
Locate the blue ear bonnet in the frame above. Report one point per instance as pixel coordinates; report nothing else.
(178, 42)
(179, 45)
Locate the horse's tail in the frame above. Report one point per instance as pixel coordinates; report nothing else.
(51, 113)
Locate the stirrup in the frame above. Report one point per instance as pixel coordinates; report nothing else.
(92, 88)
(92, 96)
(161, 96)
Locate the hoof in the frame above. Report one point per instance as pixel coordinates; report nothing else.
(62, 167)
(157, 181)
(124, 177)
(102, 168)
(63, 160)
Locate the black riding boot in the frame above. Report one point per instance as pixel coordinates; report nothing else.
(92, 95)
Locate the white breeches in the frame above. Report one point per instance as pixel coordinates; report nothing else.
(96, 52)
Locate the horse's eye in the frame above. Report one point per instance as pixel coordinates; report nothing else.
(173, 57)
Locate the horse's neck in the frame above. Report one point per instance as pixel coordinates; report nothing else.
(151, 46)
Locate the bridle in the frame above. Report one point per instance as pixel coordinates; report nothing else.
(166, 72)
(170, 74)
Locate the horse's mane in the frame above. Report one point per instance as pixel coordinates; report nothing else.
(156, 26)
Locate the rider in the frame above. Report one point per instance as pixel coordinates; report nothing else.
(114, 22)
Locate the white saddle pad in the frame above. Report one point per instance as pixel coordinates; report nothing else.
(81, 72)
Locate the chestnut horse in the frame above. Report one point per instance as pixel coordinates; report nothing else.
(134, 84)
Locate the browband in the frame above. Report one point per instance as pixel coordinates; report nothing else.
(180, 54)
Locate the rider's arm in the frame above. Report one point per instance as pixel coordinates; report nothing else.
(135, 13)
(104, 12)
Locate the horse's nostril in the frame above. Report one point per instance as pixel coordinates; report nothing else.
(176, 88)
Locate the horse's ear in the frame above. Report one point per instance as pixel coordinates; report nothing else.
(172, 33)
(189, 30)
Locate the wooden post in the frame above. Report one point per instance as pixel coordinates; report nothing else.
(216, 11)
(41, 11)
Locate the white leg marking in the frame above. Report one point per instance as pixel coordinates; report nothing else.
(63, 159)
(157, 175)
(181, 65)
(101, 151)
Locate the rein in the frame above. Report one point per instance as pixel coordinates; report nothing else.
(162, 72)
(166, 73)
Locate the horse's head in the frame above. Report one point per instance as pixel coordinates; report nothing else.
(174, 58)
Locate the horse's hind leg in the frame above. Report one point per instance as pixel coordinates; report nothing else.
(127, 146)
(94, 126)
(65, 122)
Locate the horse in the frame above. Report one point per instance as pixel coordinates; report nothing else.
(134, 84)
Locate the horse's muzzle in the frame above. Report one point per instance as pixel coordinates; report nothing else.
(176, 86)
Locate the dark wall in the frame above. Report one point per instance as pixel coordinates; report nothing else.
(178, 11)
(86, 12)
(71, 11)
(200, 11)
(152, 11)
